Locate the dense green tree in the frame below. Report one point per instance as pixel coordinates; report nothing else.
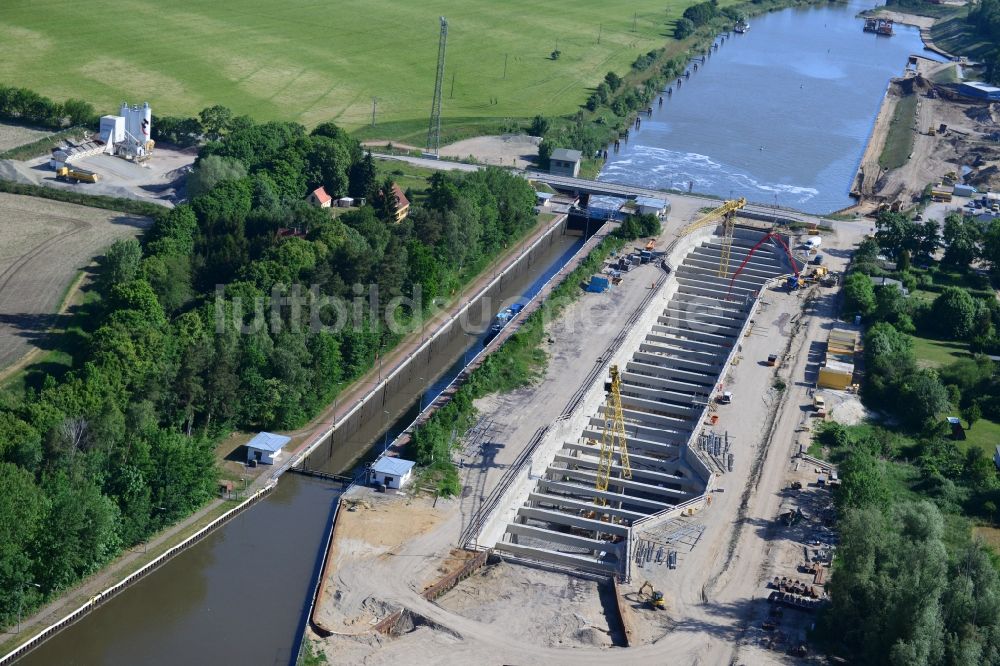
(211, 171)
(120, 263)
(215, 121)
(962, 240)
(954, 314)
(859, 295)
(21, 509)
(864, 484)
(683, 28)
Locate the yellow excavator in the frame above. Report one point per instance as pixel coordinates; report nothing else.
(652, 598)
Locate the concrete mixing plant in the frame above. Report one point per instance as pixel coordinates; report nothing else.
(127, 134)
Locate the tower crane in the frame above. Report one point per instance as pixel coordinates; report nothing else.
(612, 436)
(727, 213)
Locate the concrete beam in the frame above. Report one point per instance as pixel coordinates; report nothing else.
(664, 363)
(589, 492)
(637, 472)
(581, 562)
(683, 388)
(675, 374)
(539, 499)
(560, 518)
(628, 484)
(689, 342)
(563, 538)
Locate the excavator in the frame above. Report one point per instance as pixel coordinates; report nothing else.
(652, 598)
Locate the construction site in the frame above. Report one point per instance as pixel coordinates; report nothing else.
(649, 492)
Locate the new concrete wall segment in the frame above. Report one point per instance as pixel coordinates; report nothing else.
(568, 430)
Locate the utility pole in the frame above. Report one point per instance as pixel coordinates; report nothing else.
(635, 17)
(374, 99)
(504, 66)
(600, 31)
(451, 94)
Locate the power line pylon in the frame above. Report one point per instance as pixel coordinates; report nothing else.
(434, 131)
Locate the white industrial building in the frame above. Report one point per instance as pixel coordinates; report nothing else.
(128, 134)
(266, 447)
(392, 472)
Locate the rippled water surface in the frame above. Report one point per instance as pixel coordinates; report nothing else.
(781, 113)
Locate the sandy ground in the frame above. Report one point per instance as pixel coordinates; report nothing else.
(158, 180)
(539, 607)
(43, 247)
(371, 526)
(12, 136)
(710, 597)
(906, 19)
(515, 150)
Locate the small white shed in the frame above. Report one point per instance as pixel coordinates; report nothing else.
(266, 447)
(393, 472)
(652, 206)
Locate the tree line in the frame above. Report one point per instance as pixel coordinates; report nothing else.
(909, 585)
(97, 459)
(26, 107)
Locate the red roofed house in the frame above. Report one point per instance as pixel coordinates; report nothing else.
(319, 197)
(402, 203)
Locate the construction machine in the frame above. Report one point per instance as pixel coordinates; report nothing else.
(652, 598)
(612, 436)
(727, 214)
(75, 175)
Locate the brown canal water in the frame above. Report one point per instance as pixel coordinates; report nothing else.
(241, 595)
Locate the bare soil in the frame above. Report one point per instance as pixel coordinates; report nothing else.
(516, 150)
(12, 136)
(44, 245)
(539, 607)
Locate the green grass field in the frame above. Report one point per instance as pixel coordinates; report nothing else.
(936, 353)
(311, 62)
(899, 142)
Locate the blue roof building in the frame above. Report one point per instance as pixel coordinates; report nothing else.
(980, 90)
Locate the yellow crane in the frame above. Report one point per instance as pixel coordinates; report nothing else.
(727, 213)
(613, 436)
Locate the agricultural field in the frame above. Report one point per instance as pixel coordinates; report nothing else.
(307, 62)
(44, 246)
(13, 136)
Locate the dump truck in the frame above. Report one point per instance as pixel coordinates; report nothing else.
(75, 175)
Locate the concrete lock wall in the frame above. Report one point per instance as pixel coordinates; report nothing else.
(569, 430)
(433, 354)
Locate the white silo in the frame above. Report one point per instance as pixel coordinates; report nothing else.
(147, 123)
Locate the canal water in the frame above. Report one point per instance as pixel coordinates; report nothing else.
(241, 595)
(780, 114)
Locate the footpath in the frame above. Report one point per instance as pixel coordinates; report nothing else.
(132, 560)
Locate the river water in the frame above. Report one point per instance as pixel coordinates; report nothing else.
(780, 114)
(783, 111)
